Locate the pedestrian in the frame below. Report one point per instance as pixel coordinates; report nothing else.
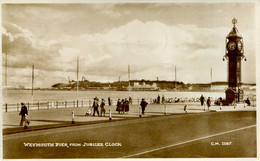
(24, 113)
(109, 101)
(102, 106)
(202, 99)
(118, 105)
(143, 104)
(208, 102)
(122, 105)
(95, 106)
(247, 101)
(130, 100)
(126, 105)
(185, 108)
(158, 99)
(163, 99)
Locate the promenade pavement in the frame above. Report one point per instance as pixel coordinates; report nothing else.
(62, 117)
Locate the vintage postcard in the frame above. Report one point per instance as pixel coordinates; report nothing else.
(129, 80)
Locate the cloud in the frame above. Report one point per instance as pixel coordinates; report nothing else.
(24, 49)
(152, 49)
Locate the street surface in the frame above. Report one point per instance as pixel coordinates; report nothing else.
(176, 135)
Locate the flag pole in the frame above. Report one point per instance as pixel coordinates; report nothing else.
(6, 70)
(77, 78)
(210, 79)
(128, 77)
(175, 77)
(32, 81)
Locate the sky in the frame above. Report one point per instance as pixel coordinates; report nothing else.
(153, 38)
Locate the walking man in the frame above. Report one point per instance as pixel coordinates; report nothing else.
(95, 106)
(24, 114)
(143, 104)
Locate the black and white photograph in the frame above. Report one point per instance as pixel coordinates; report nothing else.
(129, 80)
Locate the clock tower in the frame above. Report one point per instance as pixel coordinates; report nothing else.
(234, 54)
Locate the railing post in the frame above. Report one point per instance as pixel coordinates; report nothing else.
(48, 105)
(57, 104)
(65, 104)
(165, 110)
(6, 107)
(140, 112)
(72, 117)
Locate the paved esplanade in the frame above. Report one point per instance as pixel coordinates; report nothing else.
(153, 135)
(47, 118)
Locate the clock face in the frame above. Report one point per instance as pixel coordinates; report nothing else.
(239, 46)
(231, 45)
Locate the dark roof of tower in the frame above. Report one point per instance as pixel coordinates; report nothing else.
(234, 32)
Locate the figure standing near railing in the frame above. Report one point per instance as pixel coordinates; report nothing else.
(24, 113)
(126, 105)
(102, 106)
(208, 102)
(158, 99)
(123, 105)
(202, 99)
(130, 100)
(163, 99)
(118, 106)
(95, 106)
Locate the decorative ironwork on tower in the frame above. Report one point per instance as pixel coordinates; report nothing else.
(234, 54)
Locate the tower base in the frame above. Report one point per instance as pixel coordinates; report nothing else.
(233, 96)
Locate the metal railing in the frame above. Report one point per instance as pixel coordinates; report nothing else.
(88, 103)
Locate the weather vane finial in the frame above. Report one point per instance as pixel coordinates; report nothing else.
(234, 21)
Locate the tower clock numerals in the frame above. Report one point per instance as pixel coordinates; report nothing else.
(231, 45)
(239, 46)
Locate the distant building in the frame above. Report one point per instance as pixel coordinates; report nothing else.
(219, 86)
(144, 87)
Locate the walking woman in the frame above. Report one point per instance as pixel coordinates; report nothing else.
(102, 106)
(123, 106)
(126, 105)
(118, 105)
(208, 102)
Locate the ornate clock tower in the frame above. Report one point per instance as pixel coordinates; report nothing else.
(234, 55)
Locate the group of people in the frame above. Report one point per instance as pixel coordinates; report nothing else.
(202, 100)
(158, 99)
(122, 106)
(95, 107)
